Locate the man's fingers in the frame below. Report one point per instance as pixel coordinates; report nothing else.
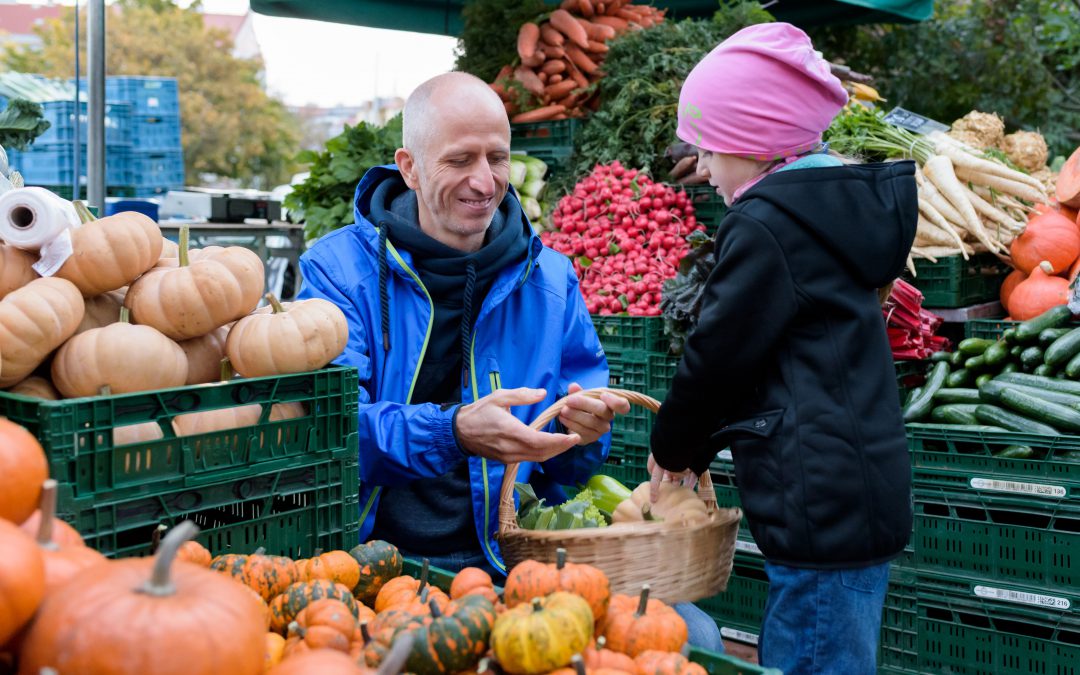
(573, 388)
(577, 420)
(657, 475)
(616, 404)
(520, 396)
(593, 406)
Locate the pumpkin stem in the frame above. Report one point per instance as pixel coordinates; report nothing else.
(578, 663)
(125, 315)
(435, 613)
(274, 303)
(155, 537)
(185, 241)
(105, 390)
(85, 215)
(394, 661)
(601, 643)
(296, 628)
(537, 606)
(227, 372)
(364, 632)
(423, 575)
(646, 512)
(48, 512)
(1045, 266)
(160, 582)
(260, 551)
(644, 600)
(560, 558)
(424, 593)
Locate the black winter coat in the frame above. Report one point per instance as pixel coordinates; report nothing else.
(790, 366)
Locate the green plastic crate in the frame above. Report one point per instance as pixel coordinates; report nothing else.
(288, 511)
(662, 369)
(709, 208)
(991, 540)
(989, 329)
(909, 374)
(942, 456)
(898, 644)
(77, 434)
(973, 637)
(552, 142)
(627, 463)
(620, 334)
(738, 610)
(955, 282)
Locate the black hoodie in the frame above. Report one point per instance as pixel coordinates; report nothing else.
(790, 365)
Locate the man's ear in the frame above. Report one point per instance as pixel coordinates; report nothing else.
(408, 167)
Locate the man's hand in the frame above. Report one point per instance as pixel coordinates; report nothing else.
(658, 475)
(590, 418)
(487, 429)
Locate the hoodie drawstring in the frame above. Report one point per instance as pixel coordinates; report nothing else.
(466, 321)
(384, 294)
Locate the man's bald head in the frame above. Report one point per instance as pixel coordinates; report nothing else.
(442, 94)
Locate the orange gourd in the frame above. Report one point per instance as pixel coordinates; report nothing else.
(22, 578)
(36, 387)
(319, 662)
(62, 561)
(655, 662)
(336, 566)
(1009, 285)
(531, 579)
(23, 469)
(275, 650)
(194, 552)
(1038, 293)
(473, 581)
(1048, 236)
(111, 252)
(635, 625)
(599, 656)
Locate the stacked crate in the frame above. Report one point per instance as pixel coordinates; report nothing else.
(287, 485)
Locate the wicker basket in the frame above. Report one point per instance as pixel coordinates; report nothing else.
(681, 564)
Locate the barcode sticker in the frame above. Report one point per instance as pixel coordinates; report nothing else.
(741, 636)
(1022, 597)
(747, 547)
(724, 455)
(1036, 489)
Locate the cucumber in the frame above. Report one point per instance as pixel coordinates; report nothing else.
(996, 354)
(940, 356)
(955, 413)
(1050, 334)
(976, 363)
(1010, 367)
(1069, 456)
(1014, 452)
(920, 407)
(1045, 394)
(1072, 368)
(1041, 382)
(958, 378)
(1043, 370)
(956, 359)
(1060, 416)
(966, 427)
(973, 346)
(947, 395)
(983, 379)
(1009, 334)
(911, 396)
(1016, 351)
(995, 416)
(1055, 317)
(1031, 357)
(1063, 349)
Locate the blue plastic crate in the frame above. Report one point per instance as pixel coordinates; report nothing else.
(156, 172)
(54, 164)
(61, 118)
(155, 133)
(147, 95)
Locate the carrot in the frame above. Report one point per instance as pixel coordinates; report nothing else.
(560, 89)
(1009, 187)
(528, 38)
(569, 101)
(582, 61)
(553, 66)
(683, 167)
(535, 60)
(528, 79)
(585, 9)
(1068, 182)
(600, 32)
(565, 23)
(613, 22)
(556, 78)
(939, 171)
(597, 47)
(539, 114)
(553, 51)
(500, 90)
(569, 5)
(510, 107)
(552, 36)
(577, 75)
(614, 6)
(543, 77)
(600, 8)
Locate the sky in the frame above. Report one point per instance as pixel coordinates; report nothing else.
(328, 64)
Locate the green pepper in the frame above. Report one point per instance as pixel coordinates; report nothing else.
(607, 492)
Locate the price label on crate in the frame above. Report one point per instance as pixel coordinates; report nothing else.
(1022, 597)
(905, 119)
(724, 455)
(747, 547)
(740, 635)
(1033, 489)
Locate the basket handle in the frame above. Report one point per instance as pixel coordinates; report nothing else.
(507, 512)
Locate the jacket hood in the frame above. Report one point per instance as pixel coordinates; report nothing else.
(874, 236)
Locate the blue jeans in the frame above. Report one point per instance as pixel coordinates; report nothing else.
(823, 621)
(701, 629)
(455, 562)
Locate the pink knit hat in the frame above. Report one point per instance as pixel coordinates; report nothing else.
(763, 93)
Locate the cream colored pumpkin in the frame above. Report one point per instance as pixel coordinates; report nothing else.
(36, 387)
(15, 268)
(111, 252)
(169, 249)
(233, 418)
(137, 433)
(204, 355)
(301, 337)
(102, 310)
(35, 320)
(677, 505)
(190, 296)
(123, 357)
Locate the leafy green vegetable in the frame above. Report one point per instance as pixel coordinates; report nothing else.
(863, 132)
(324, 201)
(20, 123)
(489, 36)
(577, 513)
(681, 299)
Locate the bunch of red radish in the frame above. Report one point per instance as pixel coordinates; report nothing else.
(626, 235)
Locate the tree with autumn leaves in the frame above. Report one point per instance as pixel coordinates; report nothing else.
(230, 126)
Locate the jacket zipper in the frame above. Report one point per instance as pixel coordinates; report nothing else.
(483, 463)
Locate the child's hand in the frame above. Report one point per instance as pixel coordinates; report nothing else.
(659, 475)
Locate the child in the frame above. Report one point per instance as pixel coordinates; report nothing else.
(789, 364)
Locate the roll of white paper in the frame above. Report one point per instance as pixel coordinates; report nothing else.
(31, 217)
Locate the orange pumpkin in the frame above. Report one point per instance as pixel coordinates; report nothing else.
(306, 336)
(204, 355)
(1048, 236)
(208, 623)
(531, 579)
(580, 666)
(23, 469)
(404, 592)
(275, 650)
(267, 575)
(285, 607)
(1038, 293)
(102, 310)
(62, 561)
(16, 269)
(111, 252)
(336, 566)
(194, 552)
(34, 321)
(654, 662)
(1009, 285)
(320, 662)
(636, 625)
(22, 579)
(324, 624)
(599, 656)
(36, 387)
(62, 533)
(470, 579)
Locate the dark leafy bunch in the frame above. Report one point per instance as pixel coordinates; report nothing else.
(324, 201)
(1018, 58)
(489, 35)
(20, 123)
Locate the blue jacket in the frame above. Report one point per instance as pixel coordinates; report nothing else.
(532, 331)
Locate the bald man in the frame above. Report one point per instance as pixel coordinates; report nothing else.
(464, 328)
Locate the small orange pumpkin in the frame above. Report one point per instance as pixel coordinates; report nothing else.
(320, 662)
(194, 552)
(336, 566)
(22, 578)
(1047, 236)
(111, 252)
(1009, 285)
(655, 662)
(403, 591)
(1038, 293)
(275, 650)
(599, 656)
(62, 561)
(36, 387)
(636, 625)
(531, 579)
(23, 469)
(324, 624)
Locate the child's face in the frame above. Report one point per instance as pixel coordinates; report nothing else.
(727, 172)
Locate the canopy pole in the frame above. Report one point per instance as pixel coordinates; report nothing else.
(95, 124)
(76, 149)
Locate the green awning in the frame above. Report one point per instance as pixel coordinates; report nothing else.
(443, 17)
